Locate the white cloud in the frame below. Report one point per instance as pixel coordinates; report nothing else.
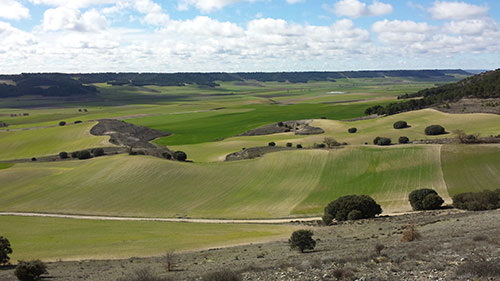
(74, 3)
(63, 18)
(294, 1)
(154, 13)
(13, 10)
(356, 8)
(456, 10)
(207, 6)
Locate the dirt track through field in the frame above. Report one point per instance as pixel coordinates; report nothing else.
(191, 220)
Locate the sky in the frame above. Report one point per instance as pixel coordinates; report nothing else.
(247, 35)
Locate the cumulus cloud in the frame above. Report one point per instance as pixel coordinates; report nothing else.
(456, 10)
(294, 1)
(207, 6)
(64, 18)
(356, 8)
(13, 10)
(74, 3)
(154, 13)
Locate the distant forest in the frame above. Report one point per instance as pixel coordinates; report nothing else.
(484, 85)
(60, 84)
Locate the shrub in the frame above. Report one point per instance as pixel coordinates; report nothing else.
(354, 215)
(400, 125)
(417, 198)
(289, 144)
(382, 141)
(477, 201)
(280, 124)
(410, 234)
(30, 270)
(5, 250)
(271, 143)
(379, 248)
(403, 140)
(302, 240)
(433, 130)
(223, 275)
(62, 123)
(299, 145)
(319, 145)
(84, 154)
(167, 155)
(78, 122)
(330, 142)
(63, 155)
(170, 260)
(75, 154)
(98, 152)
(479, 266)
(33, 159)
(352, 130)
(180, 156)
(341, 208)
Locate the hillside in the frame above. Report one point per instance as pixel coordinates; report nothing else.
(484, 85)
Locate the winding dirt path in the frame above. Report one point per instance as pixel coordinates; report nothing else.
(191, 220)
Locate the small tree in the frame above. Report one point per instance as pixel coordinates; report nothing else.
(434, 130)
(382, 141)
(351, 207)
(180, 156)
(271, 143)
(84, 154)
(63, 155)
(289, 144)
(417, 198)
(352, 130)
(330, 142)
(403, 140)
(302, 240)
(98, 152)
(410, 234)
(299, 145)
(62, 123)
(170, 260)
(400, 125)
(30, 270)
(5, 250)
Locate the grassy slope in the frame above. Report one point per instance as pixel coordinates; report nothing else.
(40, 142)
(277, 185)
(471, 167)
(50, 238)
(486, 124)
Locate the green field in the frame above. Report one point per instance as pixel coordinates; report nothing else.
(277, 185)
(69, 239)
(48, 141)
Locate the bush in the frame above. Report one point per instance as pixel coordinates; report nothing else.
(33, 159)
(382, 141)
(403, 140)
(63, 155)
(98, 152)
(62, 123)
(84, 154)
(319, 145)
(143, 274)
(271, 143)
(352, 130)
(299, 145)
(167, 155)
(302, 240)
(5, 250)
(341, 208)
(223, 275)
(433, 130)
(30, 270)
(75, 154)
(289, 144)
(330, 142)
(477, 201)
(417, 198)
(478, 266)
(410, 234)
(78, 122)
(180, 156)
(400, 125)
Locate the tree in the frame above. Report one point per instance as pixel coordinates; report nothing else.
(271, 143)
(403, 140)
(30, 270)
(330, 142)
(400, 125)
(180, 156)
(84, 154)
(98, 152)
(5, 250)
(382, 141)
(63, 155)
(352, 130)
(351, 207)
(62, 123)
(302, 240)
(433, 130)
(419, 196)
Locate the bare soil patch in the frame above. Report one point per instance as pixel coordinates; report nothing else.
(472, 106)
(298, 127)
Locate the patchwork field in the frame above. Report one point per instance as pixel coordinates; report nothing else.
(51, 238)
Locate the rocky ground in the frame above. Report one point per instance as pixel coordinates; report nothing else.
(299, 127)
(472, 106)
(454, 245)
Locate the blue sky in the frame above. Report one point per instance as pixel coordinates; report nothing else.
(247, 35)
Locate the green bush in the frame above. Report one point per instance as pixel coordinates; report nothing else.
(63, 155)
(302, 240)
(180, 156)
(354, 215)
(30, 270)
(84, 154)
(299, 145)
(419, 196)
(5, 250)
(433, 130)
(400, 125)
(271, 143)
(352, 130)
(62, 123)
(289, 144)
(382, 141)
(341, 208)
(477, 201)
(75, 154)
(403, 140)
